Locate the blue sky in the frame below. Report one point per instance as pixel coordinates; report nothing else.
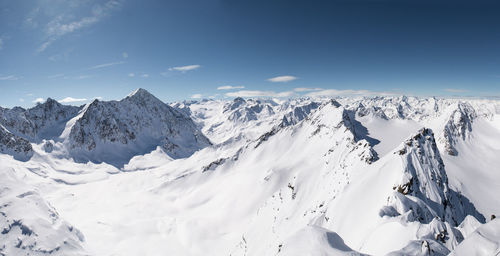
(74, 51)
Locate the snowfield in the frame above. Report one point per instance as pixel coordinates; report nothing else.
(345, 176)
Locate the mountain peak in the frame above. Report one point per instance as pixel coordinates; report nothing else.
(142, 96)
(424, 178)
(140, 92)
(50, 100)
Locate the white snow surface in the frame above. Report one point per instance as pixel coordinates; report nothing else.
(345, 176)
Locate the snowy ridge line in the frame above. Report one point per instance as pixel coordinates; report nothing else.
(343, 176)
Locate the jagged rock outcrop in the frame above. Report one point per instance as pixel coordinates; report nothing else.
(362, 111)
(299, 113)
(115, 131)
(44, 121)
(423, 193)
(14, 145)
(458, 126)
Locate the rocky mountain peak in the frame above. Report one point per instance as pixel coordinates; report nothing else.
(139, 92)
(135, 125)
(142, 96)
(458, 126)
(424, 179)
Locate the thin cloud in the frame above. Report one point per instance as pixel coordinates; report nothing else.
(21, 100)
(246, 93)
(38, 100)
(282, 79)
(145, 75)
(125, 55)
(1, 43)
(229, 87)
(196, 96)
(131, 74)
(184, 68)
(71, 100)
(105, 65)
(306, 89)
(334, 92)
(9, 78)
(57, 27)
(455, 90)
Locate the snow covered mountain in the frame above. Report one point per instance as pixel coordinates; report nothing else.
(346, 176)
(44, 121)
(115, 131)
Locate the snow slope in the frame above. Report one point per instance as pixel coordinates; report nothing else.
(29, 224)
(349, 176)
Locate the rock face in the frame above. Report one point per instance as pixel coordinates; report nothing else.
(458, 126)
(115, 131)
(362, 111)
(44, 121)
(299, 113)
(14, 145)
(423, 192)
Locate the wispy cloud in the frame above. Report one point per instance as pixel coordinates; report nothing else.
(9, 78)
(125, 55)
(105, 65)
(306, 89)
(71, 100)
(230, 87)
(245, 93)
(60, 25)
(282, 79)
(334, 92)
(45, 44)
(21, 100)
(184, 68)
(455, 90)
(1, 42)
(143, 75)
(38, 100)
(30, 20)
(196, 96)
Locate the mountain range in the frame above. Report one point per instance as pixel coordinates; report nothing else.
(304, 176)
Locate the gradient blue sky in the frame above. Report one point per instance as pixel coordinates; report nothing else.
(81, 49)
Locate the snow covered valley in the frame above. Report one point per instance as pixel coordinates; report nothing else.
(344, 176)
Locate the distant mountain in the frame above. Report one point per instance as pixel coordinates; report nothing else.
(44, 121)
